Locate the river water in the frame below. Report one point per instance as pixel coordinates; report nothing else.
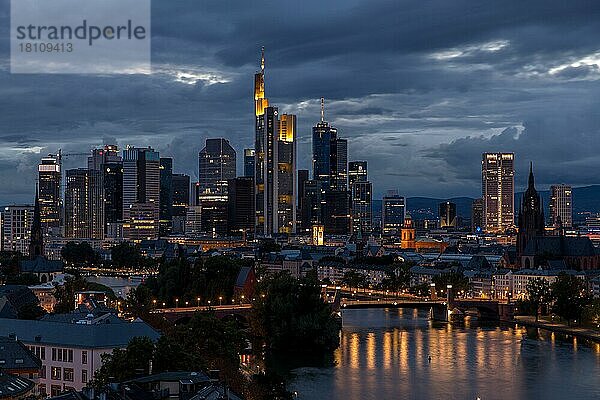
(384, 354)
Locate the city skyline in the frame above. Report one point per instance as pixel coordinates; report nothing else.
(427, 107)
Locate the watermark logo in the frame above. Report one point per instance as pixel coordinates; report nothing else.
(80, 36)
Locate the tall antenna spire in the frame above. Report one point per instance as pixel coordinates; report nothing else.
(322, 109)
(262, 60)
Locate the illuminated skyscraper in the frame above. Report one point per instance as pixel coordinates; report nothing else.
(217, 164)
(249, 161)
(393, 213)
(275, 167)
(17, 224)
(166, 195)
(141, 193)
(181, 201)
(84, 204)
(477, 215)
(561, 206)
(362, 207)
(49, 182)
(357, 172)
(330, 168)
(330, 155)
(498, 191)
(110, 163)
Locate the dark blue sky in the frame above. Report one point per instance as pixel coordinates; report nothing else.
(420, 89)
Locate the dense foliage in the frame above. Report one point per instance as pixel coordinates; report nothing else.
(459, 282)
(538, 294)
(290, 315)
(207, 279)
(79, 254)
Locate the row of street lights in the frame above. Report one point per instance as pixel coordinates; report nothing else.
(209, 302)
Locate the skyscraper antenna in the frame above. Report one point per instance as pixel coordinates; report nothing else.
(262, 60)
(322, 109)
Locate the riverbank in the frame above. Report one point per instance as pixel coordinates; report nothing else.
(542, 323)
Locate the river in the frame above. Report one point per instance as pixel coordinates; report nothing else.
(384, 354)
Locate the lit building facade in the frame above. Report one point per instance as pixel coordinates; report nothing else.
(249, 160)
(216, 164)
(362, 207)
(393, 212)
(330, 168)
(166, 195)
(84, 204)
(275, 164)
(109, 162)
(49, 192)
(561, 206)
(498, 191)
(477, 215)
(16, 228)
(181, 200)
(141, 193)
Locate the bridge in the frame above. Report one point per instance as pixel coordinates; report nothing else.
(237, 312)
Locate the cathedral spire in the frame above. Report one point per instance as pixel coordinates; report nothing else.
(531, 179)
(36, 245)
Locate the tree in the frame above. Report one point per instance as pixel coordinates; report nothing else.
(397, 277)
(458, 281)
(79, 254)
(570, 297)
(354, 279)
(126, 255)
(293, 317)
(538, 293)
(124, 364)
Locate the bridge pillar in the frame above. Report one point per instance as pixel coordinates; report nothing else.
(450, 297)
(432, 292)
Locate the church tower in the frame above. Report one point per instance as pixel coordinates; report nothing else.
(408, 232)
(531, 216)
(36, 245)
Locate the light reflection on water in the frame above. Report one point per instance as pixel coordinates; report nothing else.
(400, 354)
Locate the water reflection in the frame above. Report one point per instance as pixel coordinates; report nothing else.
(384, 354)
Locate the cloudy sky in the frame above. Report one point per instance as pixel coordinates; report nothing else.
(420, 89)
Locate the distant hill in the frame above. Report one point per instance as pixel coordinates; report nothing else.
(585, 199)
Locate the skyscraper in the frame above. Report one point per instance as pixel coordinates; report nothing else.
(561, 206)
(84, 204)
(166, 195)
(447, 214)
(241, 206)
(141, 193)
(110, 163)
(477, 215)
(275, 166)
(330, 155)
(217, 164)
(181, 201)
(330, 168)
(249, 161)
(393, 209)
(362, 197)
(498, 191)
(17, 221)
(362, 207)
(49, 193)
(357, 171)
(302, 178)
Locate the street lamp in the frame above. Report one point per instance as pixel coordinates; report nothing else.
(176, 303)
(198, 301)
(220, 300)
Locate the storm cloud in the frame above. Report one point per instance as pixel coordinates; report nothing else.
(420, 89)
